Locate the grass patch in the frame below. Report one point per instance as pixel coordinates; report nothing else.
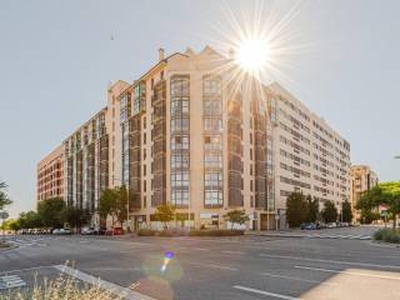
(388, 235)
(4, 245)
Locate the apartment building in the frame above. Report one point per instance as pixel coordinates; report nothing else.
(188, 140)
(86, 166)
(193, 133)
(363, 178)
(50, 177)
(309, 156)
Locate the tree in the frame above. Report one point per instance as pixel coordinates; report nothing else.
(387, 193)
(236, 217)
(329, 213)
(51, 211)
(347, 214)
(296, 209)
(4, 199)
(367, 216)
(312, 209)
(120, 210)
(106, 202)
(76, 217)
(113, 202)
(391, 198)
(29, 219)
(165, 213)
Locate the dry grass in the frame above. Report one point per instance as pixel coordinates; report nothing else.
(62, 288)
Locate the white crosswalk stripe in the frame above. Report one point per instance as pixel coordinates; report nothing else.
(340, 236)
(11, 281)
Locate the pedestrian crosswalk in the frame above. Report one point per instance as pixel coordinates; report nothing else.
(340, 236)
(11, 281)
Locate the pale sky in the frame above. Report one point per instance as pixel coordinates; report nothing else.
(57, 59)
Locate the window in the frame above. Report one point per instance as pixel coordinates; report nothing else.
(212, 121)
(180, 140)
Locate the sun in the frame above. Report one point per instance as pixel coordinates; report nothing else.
(252, 55)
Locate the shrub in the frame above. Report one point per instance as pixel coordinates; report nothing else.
(387, 235)
(215, 232)
(146, 232)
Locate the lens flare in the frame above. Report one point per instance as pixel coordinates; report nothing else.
(167, 258)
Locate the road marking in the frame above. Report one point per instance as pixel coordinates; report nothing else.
(123, 292)
(11, 281)
(25, 269)
(280, 296)
(348, 273)
(200, 249)
(338, 262)
(213, 266)
(233, 252)
(295, 278)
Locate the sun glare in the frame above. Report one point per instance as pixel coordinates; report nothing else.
(252, 55)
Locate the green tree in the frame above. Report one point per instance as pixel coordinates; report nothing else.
(30, 219)
(312, 209)
(347, 214)
(391, 198)
(120, 210)
(51, 211)
(13, 225)
(329, 213)
(296, 209)
(4, 199)
(113, 202)
(76, 217)
(236, 217)
(388, 194)
(367, 216)
(165, 213)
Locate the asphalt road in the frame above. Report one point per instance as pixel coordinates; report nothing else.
(248, 267)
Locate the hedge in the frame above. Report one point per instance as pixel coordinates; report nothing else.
(387, 235)
(221, 232)
(146, 232)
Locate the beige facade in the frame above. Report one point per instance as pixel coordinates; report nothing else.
(50, 176)
(309, 156)
(194, 132)
(363, 178)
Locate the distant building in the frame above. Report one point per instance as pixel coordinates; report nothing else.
(189, 133)
(50, 176)
(363, 178)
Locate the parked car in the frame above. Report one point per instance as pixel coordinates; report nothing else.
(64, 231)
(331, 225)
(308, 226)
(115, 231)
(101, 230)
(88, 231)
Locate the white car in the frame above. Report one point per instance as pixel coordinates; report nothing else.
(331, 225)
(88, 231)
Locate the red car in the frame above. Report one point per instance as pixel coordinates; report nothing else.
(115, 231)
